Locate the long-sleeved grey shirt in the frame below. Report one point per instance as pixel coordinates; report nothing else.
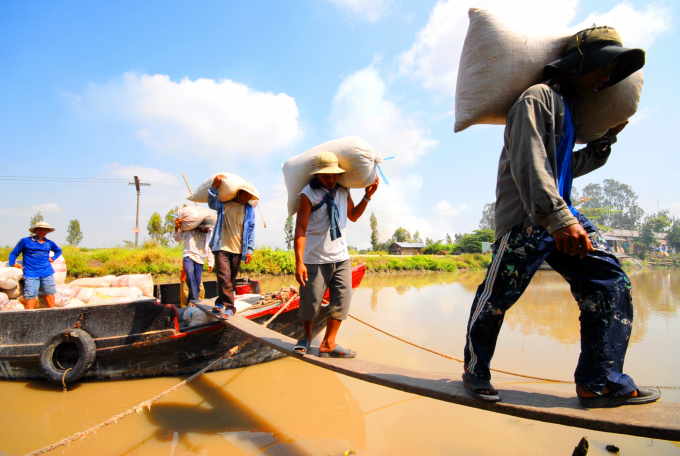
(526, 187)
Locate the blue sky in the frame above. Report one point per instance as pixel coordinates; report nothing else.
(109, 90)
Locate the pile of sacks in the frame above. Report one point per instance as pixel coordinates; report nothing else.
(501, 60)
(355, 157)
(10, 287)
(111, 289)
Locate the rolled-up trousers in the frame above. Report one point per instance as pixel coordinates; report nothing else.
(599, 285)
(227, 265)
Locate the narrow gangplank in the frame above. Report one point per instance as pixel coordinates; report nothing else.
(660, 420)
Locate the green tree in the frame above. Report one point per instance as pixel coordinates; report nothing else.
(620, 201)
(472, 243)
(73, 234)
(488, 220)
(36, 218)
(448, 239)
(288, 230)
(155, 228)
(673, 236)
(169, 226)
(375, 235)
(654, 223)
(401, 235)
(416, 237)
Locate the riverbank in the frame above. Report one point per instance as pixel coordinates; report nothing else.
(165, 263)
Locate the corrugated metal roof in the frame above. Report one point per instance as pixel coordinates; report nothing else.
(412, 245)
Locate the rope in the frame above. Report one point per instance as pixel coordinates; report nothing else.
(494, 370)
(292, 296)
(63, 378)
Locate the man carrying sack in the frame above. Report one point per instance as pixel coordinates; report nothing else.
(37, 264)
(196, 252)
(321, 256)
(233, 241)
(535, 222)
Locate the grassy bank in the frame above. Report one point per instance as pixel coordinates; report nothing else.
(166, 262)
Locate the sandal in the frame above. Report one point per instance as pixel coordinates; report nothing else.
(227, 314)
(474, 384)
(645, 396)
(301, 347)
(338, 352)
(218, 309)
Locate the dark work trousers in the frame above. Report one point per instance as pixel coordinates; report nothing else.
(226, 268)
(599, 285)
(194, 274)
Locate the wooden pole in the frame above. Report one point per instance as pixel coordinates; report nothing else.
(190, 192)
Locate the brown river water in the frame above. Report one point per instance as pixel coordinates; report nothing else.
(289, 407)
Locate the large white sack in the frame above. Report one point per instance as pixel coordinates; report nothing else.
(4, 299)
(14, 292)
(76, 303)
(13, 304)
(59, 266)
(500, 61)
(120, 292)
(93, 282)
(9, 277)
(142, 281)
(62, 297)
(227, 189)
(355, 156)
(99, 299)
(83, 294)
(193, 216)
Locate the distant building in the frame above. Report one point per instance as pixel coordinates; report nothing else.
(406, 248)
(621, 241)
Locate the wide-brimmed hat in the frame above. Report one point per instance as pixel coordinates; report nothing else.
(326, 163)
(593, 48)
(44, 225)
(250, 189)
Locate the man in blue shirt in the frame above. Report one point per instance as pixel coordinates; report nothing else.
(233, 241)
(37, 264)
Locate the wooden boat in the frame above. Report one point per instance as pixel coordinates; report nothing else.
(134, 340)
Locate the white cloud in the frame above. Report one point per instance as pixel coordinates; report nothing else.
(638, 28)
(144, 174)
(362, 107)
(222, 117)
(373, 10)
(46, 208)
(444, 209)
(433, 58)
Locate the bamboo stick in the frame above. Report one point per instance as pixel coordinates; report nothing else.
(190, 192)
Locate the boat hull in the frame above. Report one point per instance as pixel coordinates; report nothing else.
(141, 339)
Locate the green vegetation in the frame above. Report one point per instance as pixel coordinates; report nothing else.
(165, 263)
(74, 235)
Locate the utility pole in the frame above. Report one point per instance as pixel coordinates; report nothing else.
(136, 229)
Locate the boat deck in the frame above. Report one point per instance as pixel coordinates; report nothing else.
(660, 420)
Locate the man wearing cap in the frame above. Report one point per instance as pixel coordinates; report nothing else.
(321, 256)
(37, 264)
(233, 241)
(535, 222)
(196, 251)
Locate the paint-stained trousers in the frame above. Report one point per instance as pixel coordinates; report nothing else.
(227, 265)
(599, 285)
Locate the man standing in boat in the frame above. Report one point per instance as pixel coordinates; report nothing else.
(535, 221)
(321, 256)
(37, 264)
(196, 252)
(233, 241)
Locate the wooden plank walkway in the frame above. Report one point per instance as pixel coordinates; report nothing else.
(660, 420)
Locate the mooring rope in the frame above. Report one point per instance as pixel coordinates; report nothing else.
(551, 380)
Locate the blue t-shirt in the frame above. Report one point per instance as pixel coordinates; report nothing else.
(36, 254)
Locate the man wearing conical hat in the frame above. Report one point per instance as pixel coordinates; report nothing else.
(536, 222)
(321, 256)
(37, 264)
(232, 241)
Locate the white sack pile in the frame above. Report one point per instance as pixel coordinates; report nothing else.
(93, 282)
(227, 189)
(9, 277)
(62, 297)
(120, 292)
(355, 156)
(12, 304)
(83, 294)
(142, 281)
(500, 61)
(4, 299)
(59, 266)
(193, 216)
(99, 299)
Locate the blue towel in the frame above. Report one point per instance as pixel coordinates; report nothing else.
(333, 213)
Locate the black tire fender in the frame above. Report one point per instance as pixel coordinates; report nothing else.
(86, 356)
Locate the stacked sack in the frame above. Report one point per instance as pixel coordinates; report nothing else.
(9, 277)
(9, 304)
(226, 191)
(111, 289)
(355, 157)
(500, 61)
